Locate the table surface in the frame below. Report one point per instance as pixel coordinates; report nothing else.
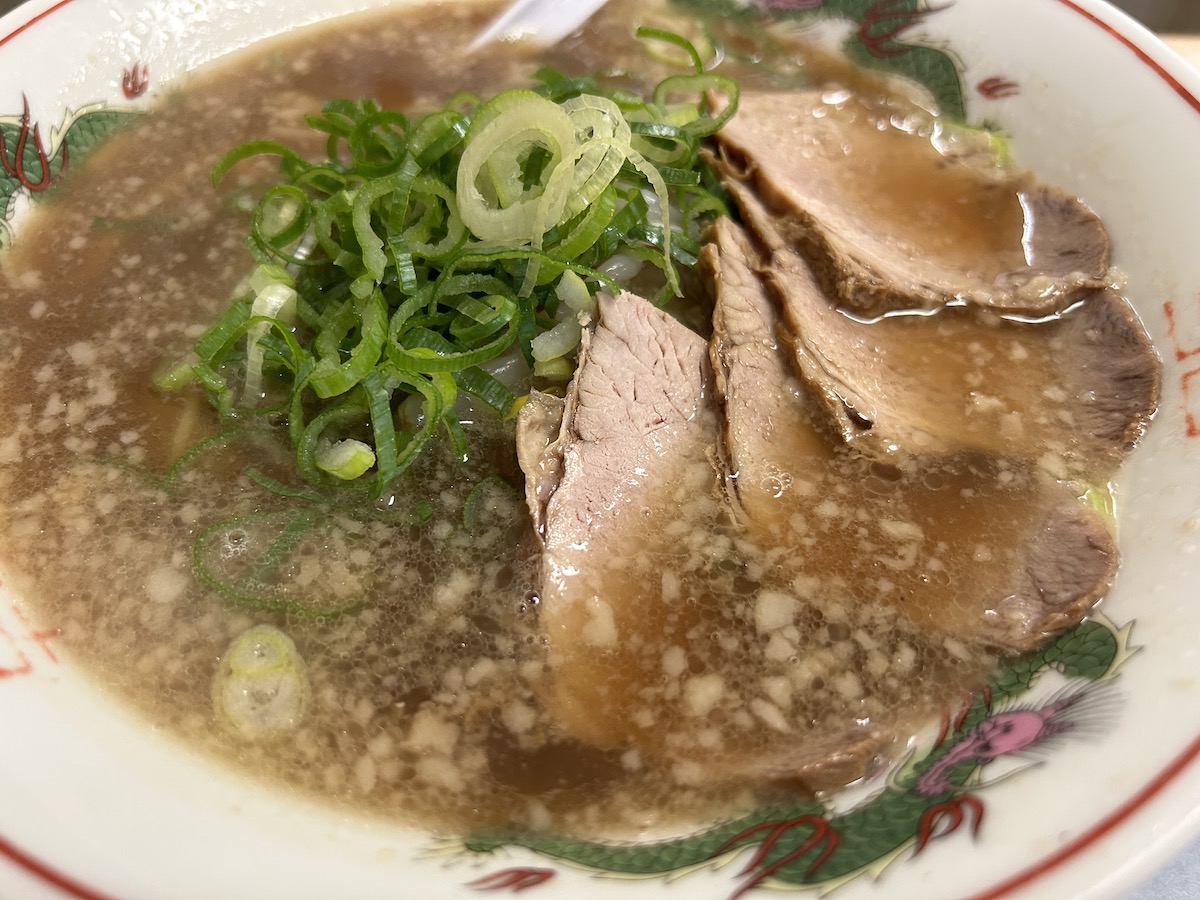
(1187, 45)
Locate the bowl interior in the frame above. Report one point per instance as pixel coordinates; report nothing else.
(1116, 120)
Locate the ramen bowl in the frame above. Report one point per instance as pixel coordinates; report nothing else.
(99, 803)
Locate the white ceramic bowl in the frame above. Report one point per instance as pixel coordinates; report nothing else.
(94, 803)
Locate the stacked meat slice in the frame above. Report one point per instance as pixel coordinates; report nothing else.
(967, 378)
(899, 211)
(768, 554)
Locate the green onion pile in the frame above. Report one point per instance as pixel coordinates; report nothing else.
(423, 251)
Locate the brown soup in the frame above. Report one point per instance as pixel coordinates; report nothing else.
(426, 698)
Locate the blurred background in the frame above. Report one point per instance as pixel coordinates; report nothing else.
(1159, 15)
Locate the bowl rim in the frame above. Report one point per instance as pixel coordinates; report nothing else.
(1184, 80)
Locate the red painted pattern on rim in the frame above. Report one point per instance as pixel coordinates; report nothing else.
(1100, 829)
(1049, 863)
(1192, 751)
(1141, 54)
(12, 34)
(36, 867)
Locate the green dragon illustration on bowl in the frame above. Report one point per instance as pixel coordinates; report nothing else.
(926, 797)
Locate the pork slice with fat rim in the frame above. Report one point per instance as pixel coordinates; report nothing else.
(898, 210)
(650, 644)
(978, 549)
(1073, 393)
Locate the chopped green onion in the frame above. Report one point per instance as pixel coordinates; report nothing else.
(274, 300)
(558, 341)
(573, 291)
(392, 272)
(493, 484)
(557, 369)
(261, 688)
(244, 560)
(346, 459)
(493, 200)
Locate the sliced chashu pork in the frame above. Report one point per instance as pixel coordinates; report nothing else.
(629, 451)
(750, 649)
(764, 408)
(658, 638)
(979, 549)
(892, 222)
(1074, 394)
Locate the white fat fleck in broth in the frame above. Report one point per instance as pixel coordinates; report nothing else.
(427, 702)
